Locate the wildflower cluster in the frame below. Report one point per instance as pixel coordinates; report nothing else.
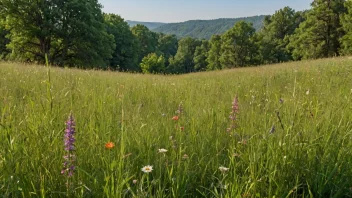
(178, 113)
(176, 118)
(69, 140)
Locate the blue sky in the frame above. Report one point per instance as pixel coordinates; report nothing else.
(183, 10)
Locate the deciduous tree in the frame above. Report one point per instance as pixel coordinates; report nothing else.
(125, 56)
(167, 45)
(70, 32)
(274, 37)
(183, 62)
(346, 21)
(200, 56)
(214, 53)
(153, 64)
(3, 42)
(238, 48)
(319, 35)
(147, 40)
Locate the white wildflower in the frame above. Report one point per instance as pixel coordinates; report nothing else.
(147, 169)
(223, 169)
(162, 150)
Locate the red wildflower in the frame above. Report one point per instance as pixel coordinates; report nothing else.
(109, 145)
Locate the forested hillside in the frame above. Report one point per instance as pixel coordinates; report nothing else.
(79, 34)
(149, 25)
(204, 29)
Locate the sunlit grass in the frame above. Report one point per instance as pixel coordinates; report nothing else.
(306, 154)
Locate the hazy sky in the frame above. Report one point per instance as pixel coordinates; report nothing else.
(183, 10)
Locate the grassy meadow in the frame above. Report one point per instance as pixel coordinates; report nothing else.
(292, 135)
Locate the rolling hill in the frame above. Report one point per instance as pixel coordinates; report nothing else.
(150, 25)
(204, 29)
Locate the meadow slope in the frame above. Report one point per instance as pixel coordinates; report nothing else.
(292, 135)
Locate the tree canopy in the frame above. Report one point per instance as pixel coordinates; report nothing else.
(183, 60)
(200, 56)
(69, 32)
(77, 33)
(238, 48)
(318, 36)
(147, 40)
(346, 21)
(3, 42)
(125, 56)
(213, 58)
(153, 64)
(274, 37)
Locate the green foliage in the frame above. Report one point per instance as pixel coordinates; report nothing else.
(274, 37)
(167, 45)
(346, 21)
(205, 29)
(3, 42)
(147, 41)
(30, 25)
(124, 57)
(214, 53)
(92, 46)
(319, 35)
(153, 64)
(70, 32)
(238, 47)
(77, 33)
(183, 62)
(200, 56)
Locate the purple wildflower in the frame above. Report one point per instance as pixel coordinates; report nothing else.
(69, 140)
(272, 130)
(235, 108)
(233, 115)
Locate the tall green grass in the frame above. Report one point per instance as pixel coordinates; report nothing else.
(307, 155)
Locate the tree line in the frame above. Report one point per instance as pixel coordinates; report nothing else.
(76, 33)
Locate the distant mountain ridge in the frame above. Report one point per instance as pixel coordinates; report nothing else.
(204, 29)
(149, 25)
(200, 29)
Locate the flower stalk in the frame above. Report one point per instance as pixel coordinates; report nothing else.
(69, 157)
(234, 114)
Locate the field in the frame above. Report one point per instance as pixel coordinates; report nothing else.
(291, 135)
